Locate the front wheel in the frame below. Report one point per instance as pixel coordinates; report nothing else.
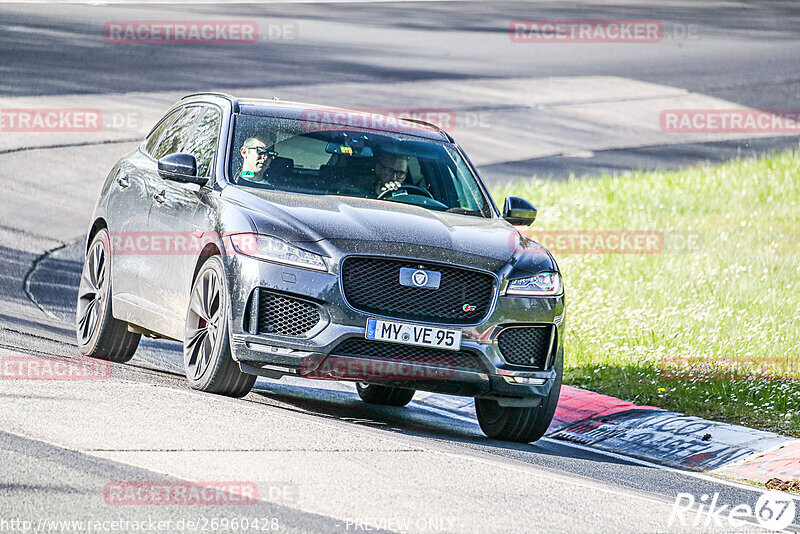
(522, 425)
(384, 395)
(207, 356)
(99, 334)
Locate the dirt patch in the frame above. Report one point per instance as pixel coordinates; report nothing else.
(783, 485)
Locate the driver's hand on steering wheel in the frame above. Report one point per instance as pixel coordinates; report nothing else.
(394, 185)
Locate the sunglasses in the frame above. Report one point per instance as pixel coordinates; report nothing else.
(262, 151)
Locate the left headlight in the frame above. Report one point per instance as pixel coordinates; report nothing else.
(541, 285)
(269, 248)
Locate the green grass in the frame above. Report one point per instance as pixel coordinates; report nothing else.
(709, 330)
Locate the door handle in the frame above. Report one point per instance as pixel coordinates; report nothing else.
(123, 182)
(161, 197)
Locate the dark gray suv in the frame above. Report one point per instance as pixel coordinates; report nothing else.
(277, 238)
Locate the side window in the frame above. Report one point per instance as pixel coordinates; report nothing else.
(203, 142)
(178, 132)
(415, 173)
(152, 141)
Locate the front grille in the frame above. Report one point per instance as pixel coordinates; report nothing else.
(448, 359)
(525, 346)
(373, 285)
(284, 315)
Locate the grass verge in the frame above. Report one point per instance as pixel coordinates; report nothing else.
(706, 322)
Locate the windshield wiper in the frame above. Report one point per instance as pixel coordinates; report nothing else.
(462, 211)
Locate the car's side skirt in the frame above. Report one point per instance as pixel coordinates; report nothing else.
(137, 311)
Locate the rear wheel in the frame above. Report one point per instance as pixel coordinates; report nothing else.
(207, 356)
(99, 334)
(519, 424)
(384, 395)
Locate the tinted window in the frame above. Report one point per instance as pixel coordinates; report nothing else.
(152, 140)
(203, 142)
(178, 133)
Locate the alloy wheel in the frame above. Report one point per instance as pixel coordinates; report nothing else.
(203, 324)
(91, 292)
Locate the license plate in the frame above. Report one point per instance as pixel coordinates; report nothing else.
(413, 334)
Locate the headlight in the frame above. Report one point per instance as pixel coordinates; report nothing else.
(541, 285)
(273, 249)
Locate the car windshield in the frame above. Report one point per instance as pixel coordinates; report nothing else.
(326, 159)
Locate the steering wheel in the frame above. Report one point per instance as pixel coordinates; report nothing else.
(409, 188)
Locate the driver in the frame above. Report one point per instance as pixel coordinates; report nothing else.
(257, 159)
(387, 174)
(390, 170)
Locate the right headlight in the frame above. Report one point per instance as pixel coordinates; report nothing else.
(270, 248)
(546, 284)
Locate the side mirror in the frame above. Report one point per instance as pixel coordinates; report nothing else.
(180, 167)
(519, 211)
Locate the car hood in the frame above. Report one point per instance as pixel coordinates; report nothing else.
(384, 227)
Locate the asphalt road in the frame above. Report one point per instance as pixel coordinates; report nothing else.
(322, 460)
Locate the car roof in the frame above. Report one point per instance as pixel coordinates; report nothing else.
(358, 118)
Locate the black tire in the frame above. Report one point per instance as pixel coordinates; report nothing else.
(207, 356)
(384, 395)
(99, 335)
(522, 425)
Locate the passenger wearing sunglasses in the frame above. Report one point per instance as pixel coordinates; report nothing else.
(257, 159)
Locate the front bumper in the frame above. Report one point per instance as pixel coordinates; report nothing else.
(277, 355)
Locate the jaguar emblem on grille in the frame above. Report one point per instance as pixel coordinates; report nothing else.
(419, 278)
